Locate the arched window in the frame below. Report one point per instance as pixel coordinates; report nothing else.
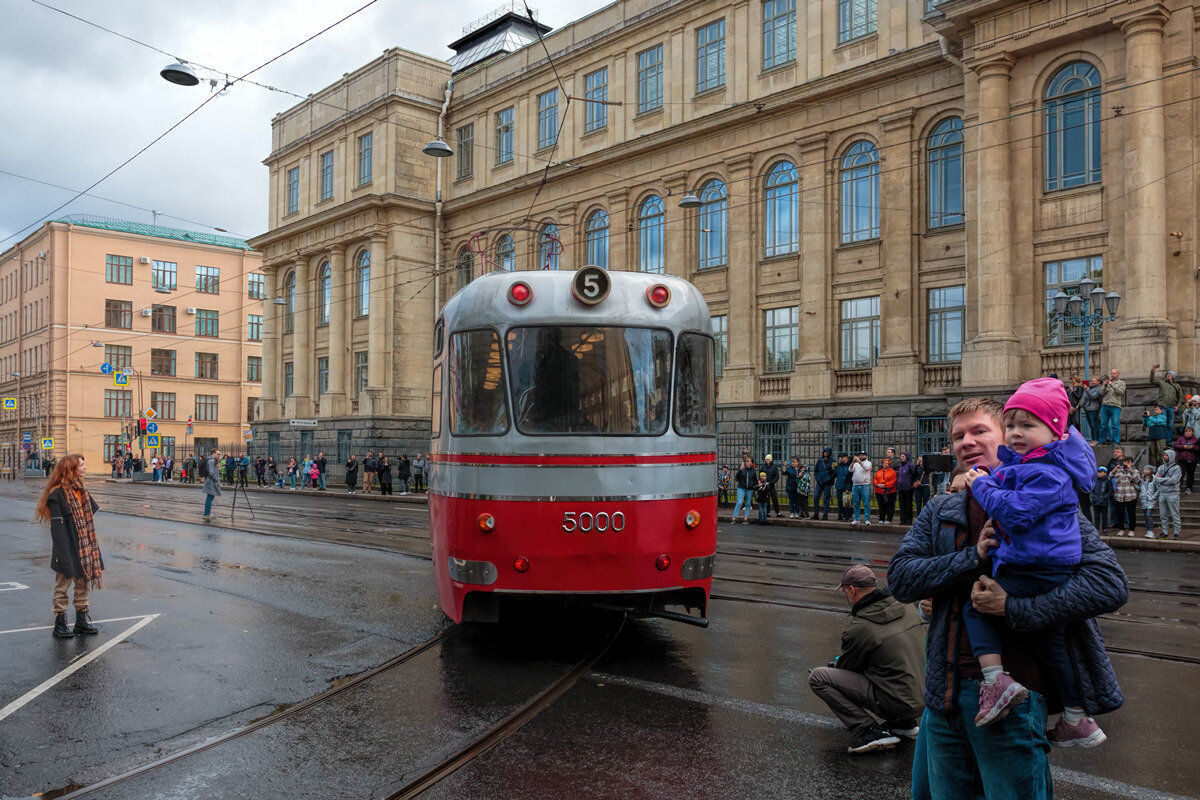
(711, 224)
(362, 283)
(782, 213)
(465, 269)
(549, 246)
(324, 284)
(506, 254)
(595, 233)
(945, 160)
(1073, 127)
(651, 219)
(860, 193)
(289, 294)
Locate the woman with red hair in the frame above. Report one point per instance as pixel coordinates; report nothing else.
(75, 556)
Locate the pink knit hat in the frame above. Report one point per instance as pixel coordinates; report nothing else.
(1044, 398)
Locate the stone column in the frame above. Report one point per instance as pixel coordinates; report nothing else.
(270, 346)
(897, 374)
(302, 339)
(739, 381)
(679, 221)
(813, 378)
(1144, 330)
(377, 327)
(334, 402)
(992, 359)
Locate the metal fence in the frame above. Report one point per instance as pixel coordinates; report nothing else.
(337, 452)
(808, 446)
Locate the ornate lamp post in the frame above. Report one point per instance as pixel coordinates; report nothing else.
(1086, 310)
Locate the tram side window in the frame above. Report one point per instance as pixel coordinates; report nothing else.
(590, 380)
(436, 422)
(476, 390)
(695, 386)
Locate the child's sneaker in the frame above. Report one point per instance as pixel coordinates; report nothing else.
(1086, 734)
(997, 699)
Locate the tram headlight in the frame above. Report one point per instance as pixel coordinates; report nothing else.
(692, 519)
(486, 522)
(519, 293)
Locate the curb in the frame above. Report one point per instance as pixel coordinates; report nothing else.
(410, 499)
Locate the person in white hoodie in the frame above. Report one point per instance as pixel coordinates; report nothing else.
(1167, 481)
(861, 472)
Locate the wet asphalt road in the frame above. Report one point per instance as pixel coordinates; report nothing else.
(250, 624)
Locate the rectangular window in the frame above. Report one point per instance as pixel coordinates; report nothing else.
(595, 92)
(118, 269)
(931, 435)
(207, 322)
(504, 136)
(118, 403)
(343, 445)
(851, 436)
(779, 32)
(465, 155)
(208, 280)
(547, 120)
(293, 190)
(306, 442)
(289, 375)
(781, 338)
(650, 79)
(118, 314)
(322, 375)
(360, 372)
(206, 366)
(255, 286)
(1066, 275)
(165, 275)
(947, 320)
(710, 56)
(364, 158)
(254, 369)
(326, 175)
(720, 326)
(251, 409)
(254, 327)
(120, 356)
(855, 18)
(163, 404)
(162, 362)
(167, 447)
(112, 447)
(162, 319)
(860, 333)
(773, 438)
(206, 408)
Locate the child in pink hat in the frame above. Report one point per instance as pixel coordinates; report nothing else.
(1033, 503)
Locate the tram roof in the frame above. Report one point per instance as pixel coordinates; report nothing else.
(484, 302)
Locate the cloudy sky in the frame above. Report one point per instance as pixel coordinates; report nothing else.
(79, 101)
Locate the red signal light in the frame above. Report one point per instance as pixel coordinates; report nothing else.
(519, 293)
(658, 295)
(521, 564)
(142, 424)
(486, 522)
(663, 561)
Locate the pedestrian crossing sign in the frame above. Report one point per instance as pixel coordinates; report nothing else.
(120, 379)
(47, 443)
(152, 440)
(10, 403)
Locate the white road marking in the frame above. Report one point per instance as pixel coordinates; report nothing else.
(49, 627)
(1082, 779)
(32, 694)
(11, 586)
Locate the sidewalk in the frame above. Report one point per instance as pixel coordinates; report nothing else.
(338, 492)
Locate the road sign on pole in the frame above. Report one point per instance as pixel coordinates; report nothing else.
(151, 427)
(10, 403)
(26, 437)
(47, 443)
(248, 435)
(120, 379)
(151, 413)
(106, 369)
(152, 441)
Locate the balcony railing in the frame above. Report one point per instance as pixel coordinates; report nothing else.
(941, 376)
(775, 386)
(853, 381)
(1067, 362)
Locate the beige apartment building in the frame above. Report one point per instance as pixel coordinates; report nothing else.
(889, 195)
(178, 312)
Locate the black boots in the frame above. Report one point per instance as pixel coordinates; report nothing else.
(61, 630)
(82, 626)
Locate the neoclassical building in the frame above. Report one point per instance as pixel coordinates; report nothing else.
(889, 194)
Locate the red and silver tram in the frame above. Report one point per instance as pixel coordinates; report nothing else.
(574, 444)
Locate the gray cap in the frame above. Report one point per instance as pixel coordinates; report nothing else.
(860, 575)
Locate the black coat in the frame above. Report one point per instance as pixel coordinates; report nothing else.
(351, 471)
(385, 472)
(405, 469)
(64, 538)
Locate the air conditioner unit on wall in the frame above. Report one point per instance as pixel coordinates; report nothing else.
(145, 312)
(143, 260)
(191, 309)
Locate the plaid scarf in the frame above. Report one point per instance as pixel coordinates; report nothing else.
(80, 503)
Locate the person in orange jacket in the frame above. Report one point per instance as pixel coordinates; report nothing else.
(885, 490)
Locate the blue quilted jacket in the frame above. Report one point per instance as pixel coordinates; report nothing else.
(937, 560)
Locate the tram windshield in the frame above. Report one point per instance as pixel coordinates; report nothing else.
(593, 380)
(695, 386)
(477, 405)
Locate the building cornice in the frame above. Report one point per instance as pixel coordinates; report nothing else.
(374, 202)
(353, 118)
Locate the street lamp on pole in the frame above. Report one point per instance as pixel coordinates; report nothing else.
(1090, 308)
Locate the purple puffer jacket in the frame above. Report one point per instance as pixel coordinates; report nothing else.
(905, 473)
(1033, 502)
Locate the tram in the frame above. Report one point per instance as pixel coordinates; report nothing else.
(574, 445)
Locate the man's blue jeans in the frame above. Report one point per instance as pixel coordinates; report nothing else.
(1009, 758)
(1093, 424)
(860, 498)
(208, 498)
(823, 494)
(322, 480)
(744, 498)
(1110, 424)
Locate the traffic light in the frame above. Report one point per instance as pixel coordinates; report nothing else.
(142, 424)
